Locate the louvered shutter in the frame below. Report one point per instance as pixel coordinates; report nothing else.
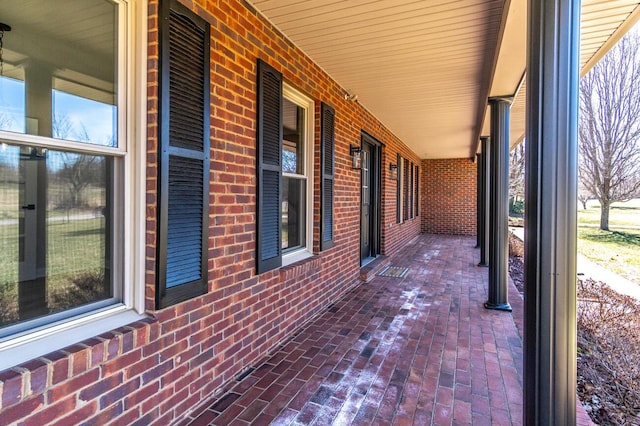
(410, 190)
(269, 169)
(399, 189)
(327, 142)
(183, 156)
(405, 188)
(417, 192)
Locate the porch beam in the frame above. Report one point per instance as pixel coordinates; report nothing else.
(499, 205)
(550, 213)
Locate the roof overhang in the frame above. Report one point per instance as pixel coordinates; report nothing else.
(426, 69)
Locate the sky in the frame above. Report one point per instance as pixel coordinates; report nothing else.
(98, 119)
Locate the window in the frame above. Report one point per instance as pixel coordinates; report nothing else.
(66, 167)
(183, 169)
(406, 190)
(285, 172)
(297, 175)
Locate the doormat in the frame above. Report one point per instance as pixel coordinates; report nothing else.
(394, 271)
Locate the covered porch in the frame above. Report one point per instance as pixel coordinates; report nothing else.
(420, 349)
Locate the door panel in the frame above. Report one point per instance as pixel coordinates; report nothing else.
(365, 203)
(370, 200)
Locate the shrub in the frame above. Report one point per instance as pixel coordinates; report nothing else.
(85, 288)
(8, 303)
(608, 353)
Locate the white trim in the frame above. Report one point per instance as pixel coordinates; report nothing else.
(135, 269)
(32, 344)
(308, 105)
(57, 144)
(296, 256)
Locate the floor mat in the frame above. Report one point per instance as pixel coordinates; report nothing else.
(394, 271)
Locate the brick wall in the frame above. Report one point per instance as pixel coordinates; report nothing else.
(156, 370)
(448, 196)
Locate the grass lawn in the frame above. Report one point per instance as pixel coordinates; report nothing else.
(617, 249)
(74, 249)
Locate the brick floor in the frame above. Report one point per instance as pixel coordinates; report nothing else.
(418, 350)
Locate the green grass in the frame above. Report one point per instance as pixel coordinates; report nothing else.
(620, 214)
(618, 249)
(73, 247)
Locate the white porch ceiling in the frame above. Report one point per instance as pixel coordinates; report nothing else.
(426, 68)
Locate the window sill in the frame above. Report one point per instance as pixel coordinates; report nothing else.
(33, 344)
(296, 256)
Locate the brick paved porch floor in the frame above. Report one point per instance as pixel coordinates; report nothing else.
(418, 350)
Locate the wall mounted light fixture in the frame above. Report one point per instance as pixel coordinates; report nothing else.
(393, 168)
(352, 97)
(356, 156)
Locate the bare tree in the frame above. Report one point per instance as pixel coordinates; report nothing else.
(516, 172)
(62, 126)
(583, 194)
(609, 126)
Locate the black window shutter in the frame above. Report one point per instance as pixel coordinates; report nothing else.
(327, 142)
(405, 205)
(269, 169)
(411, 191)
(399, 190)
(417, 192)
(183, 156)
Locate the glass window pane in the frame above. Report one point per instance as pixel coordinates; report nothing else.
(55, 222)
(59, 75)
(293, 138)
(293, 212)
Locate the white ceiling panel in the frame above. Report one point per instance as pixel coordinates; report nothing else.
(419, 66)
(426, 68)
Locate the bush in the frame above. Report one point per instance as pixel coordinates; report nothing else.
(85, 288)
(608, 354)
(8, 303)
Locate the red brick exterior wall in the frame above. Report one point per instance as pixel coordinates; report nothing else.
(448, 196)
(157, 370)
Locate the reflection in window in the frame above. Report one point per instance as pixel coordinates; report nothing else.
(83, 120)
(59, 75)
(54, 221)
(12, 104)
(294, 182)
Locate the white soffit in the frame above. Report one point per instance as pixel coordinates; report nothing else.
(603, 23)
(419, 66)
(425, 68)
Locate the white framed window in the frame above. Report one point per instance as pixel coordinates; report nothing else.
(297, 175)
(72, 132)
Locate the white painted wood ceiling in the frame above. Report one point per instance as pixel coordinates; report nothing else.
(425, 68)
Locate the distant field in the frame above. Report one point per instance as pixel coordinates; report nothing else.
(620, 214)
(617, 249)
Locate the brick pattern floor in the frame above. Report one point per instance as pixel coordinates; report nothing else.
(418, 350)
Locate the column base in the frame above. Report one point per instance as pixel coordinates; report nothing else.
(498, 306)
